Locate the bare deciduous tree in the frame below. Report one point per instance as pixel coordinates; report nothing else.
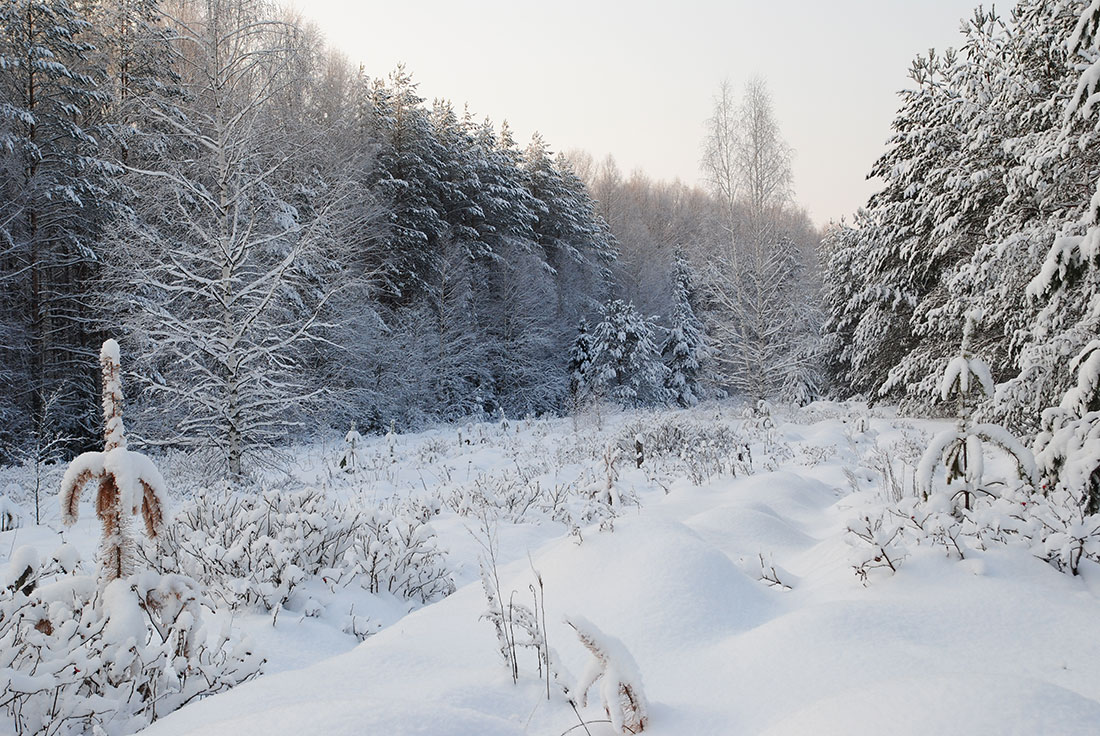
(757, 287)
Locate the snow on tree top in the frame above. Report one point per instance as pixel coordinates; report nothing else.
(110, 351)
(956, 377)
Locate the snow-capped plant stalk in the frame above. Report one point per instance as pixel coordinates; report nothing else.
(621, 691)
(129, 482)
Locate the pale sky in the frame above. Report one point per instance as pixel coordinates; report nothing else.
(637, 79)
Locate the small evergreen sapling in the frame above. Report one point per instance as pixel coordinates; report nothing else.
(350, 460)
(960, 451)
(580, 362)
(129, 482)
(626, 365)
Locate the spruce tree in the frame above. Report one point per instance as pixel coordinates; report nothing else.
(580, 362)
(626, 366)
(684, 348)
(58, 193)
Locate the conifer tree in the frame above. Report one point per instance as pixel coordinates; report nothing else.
(580, 362)
(1069, 286)
(683, 349)
(626, 366)
(406, 176)
(58, 192)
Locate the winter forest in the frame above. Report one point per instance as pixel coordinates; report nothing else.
(320, 388)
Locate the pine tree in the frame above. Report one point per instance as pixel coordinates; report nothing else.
(581, 355)
(1069, 285)
(960, 451)
(406, 176)
(574, 242)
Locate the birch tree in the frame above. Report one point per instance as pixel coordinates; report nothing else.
(756, 315)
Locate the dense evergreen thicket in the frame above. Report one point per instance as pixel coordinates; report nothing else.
(989, 221)
(987, 204)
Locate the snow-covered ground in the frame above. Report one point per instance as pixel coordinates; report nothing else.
(727, 576)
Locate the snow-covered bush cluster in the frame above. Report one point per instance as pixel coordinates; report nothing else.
(259, 549)
(703, 448)
(11, 515)
(109, 653)
(1053, 528)
(77, 657)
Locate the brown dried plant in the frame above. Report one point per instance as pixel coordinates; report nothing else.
(129, 482)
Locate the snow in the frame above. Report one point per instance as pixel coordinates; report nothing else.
(125, 625)
(21, 560)
(133, 473)
(621, 691)
(956, 372)
(994, 644)
(84, 466)
(110, 351)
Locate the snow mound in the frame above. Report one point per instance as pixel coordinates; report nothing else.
(749, 530)
(959, 704)
(659, 578)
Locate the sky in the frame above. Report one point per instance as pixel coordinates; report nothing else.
(637, 80)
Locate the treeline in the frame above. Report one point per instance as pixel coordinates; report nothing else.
(740, 252)
(988, 214)
(283, 244)
(268, 232)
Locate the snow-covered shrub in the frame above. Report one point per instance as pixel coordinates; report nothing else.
(621, 692)
(11, 515)
(896, 467)
(258, 549)
(77, 657)
(79, 654)
(1058, 529)
(874, 538)
(766, 571)
(704, 450)
(1052, 527)
(516, 624)
(507, 496)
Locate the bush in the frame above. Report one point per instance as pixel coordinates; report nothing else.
(76, 657)
(705, 450)
(258, 549)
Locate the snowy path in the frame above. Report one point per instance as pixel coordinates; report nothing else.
(1000, 646)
